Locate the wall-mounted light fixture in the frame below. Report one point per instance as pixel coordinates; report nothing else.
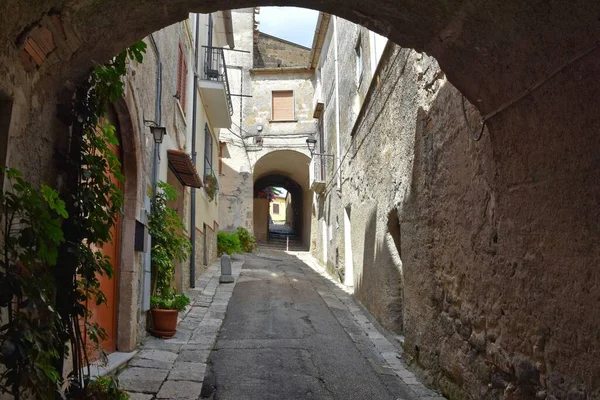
(311, 142)
(259, 128)
(158, 132)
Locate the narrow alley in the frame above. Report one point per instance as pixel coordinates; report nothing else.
(404, 196)
(283, 330)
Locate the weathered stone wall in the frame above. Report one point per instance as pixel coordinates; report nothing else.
(273, 52)
(472, 249)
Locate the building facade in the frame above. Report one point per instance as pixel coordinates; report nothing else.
(159, 92)
(274, 89)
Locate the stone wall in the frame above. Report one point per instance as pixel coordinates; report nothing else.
(273, 52)
(471, 249)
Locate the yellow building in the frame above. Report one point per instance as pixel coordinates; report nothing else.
(277, 209)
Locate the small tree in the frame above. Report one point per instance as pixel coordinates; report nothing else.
(169, 244)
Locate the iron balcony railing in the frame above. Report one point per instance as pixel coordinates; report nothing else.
(215, 69)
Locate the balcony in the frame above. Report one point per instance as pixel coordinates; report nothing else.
(214, 87)
(320, 167)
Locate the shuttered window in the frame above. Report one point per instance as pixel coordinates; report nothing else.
(182, 71)
(207, 152)
(283, 105)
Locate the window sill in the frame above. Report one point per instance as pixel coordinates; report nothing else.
(275, 121)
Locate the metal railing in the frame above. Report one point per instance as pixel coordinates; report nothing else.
(215, 69)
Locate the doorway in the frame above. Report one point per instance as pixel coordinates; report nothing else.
(348, 262)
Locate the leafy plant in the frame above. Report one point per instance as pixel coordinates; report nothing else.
(29, 338)
(228, 243)
(169, 244)
(247, 240)
(105, 388)
(211, 185)
(176, 302)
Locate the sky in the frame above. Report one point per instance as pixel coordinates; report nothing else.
(290, 23)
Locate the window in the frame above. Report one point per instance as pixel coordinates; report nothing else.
(182, 71)
(207, 151)
(359, 61)
(283, 105)
(275, 208)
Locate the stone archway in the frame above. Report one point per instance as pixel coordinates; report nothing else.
(288, 169)
(476, 42)
(129, 262)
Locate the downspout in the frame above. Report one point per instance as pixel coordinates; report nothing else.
(337, 105)
(157, 110)
(147, 206)
(193, 192)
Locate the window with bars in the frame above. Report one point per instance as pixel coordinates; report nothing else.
(207, 151)
(182, 71)
(283, 105)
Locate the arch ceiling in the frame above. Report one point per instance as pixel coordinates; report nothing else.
(289, 163)
(490, 50)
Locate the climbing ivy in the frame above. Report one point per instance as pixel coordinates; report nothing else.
(93, 199)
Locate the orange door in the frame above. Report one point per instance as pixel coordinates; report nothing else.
(106, 314)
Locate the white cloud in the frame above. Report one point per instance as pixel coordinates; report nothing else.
(290, 23)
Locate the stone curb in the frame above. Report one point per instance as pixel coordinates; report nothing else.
(344, 297)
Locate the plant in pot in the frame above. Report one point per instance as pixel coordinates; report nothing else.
(169, 244)
(210, 185)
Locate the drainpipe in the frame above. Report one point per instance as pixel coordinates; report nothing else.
(193, 193)
(337, 105)
(157, 119)
(157, 110)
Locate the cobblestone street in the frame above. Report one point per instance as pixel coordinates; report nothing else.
(283, 330)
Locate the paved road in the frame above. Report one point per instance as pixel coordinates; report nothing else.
(280, 340)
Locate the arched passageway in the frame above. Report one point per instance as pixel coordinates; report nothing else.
(517, 211)
(287, 169)
(292, 208)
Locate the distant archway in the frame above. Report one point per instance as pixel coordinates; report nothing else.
(287, 169)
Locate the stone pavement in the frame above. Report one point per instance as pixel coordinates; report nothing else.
(280, 343)
(174, 368)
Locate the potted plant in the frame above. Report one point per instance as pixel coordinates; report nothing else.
(169, 244)
(210, 185)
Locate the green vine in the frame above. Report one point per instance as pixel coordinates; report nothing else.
(93, 199)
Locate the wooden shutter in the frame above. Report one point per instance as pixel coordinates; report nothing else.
(182, 71)
(283, 105)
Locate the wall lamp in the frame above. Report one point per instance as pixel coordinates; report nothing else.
(158, 132)
(311, 142)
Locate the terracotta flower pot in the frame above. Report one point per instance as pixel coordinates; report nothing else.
(164, 321)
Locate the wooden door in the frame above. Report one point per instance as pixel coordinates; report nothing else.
(106, 314)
